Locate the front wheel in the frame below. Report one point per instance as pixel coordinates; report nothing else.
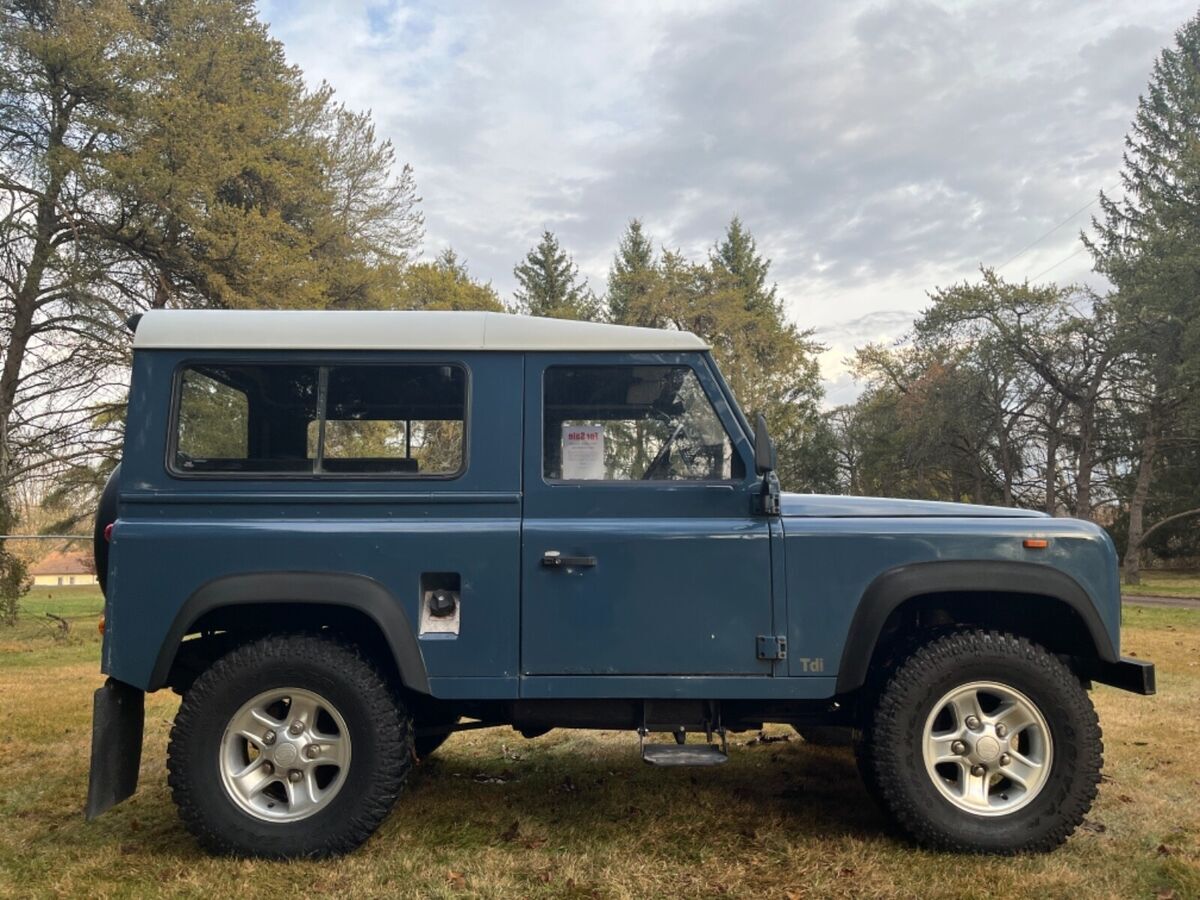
(984, 742)
(291, 746)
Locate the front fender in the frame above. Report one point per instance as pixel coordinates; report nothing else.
(893, 587)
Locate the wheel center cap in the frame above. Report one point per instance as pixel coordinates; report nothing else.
(286, 754)
(987, 748)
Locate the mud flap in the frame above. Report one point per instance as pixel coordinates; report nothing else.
(118, 717)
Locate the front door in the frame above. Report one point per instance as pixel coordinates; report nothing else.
(641, 554)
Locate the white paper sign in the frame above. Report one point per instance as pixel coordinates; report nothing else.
(583, 452)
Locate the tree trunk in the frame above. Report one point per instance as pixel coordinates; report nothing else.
(1137, 503)
(1052, 437)
(1083, 475)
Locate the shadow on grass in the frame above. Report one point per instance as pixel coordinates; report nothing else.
(586, 792)
(576, 794)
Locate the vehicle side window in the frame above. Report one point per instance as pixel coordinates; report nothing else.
(377, 419)
(633, 423)
(245, 418)
(395, 419)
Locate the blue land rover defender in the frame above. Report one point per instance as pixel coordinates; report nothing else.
(341, 536)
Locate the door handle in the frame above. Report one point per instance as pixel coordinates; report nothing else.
(552, 559)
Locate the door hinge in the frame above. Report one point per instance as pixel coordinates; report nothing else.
(772, 646)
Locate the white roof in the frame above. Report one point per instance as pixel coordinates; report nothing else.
(392, 330)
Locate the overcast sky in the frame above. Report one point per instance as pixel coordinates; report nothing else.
(874, 149)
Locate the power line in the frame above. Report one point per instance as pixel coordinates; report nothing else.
(1057, 264)
(1038, 240)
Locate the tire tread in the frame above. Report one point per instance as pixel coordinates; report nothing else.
(394, 741)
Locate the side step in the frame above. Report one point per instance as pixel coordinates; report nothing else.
(683, 754)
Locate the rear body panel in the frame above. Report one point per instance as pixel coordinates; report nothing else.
(174, 534)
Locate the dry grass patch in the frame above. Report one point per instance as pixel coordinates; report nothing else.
(578, 814)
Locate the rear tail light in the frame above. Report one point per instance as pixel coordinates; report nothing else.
(108, 530)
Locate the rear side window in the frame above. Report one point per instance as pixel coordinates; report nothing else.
(246, 418)
(394, 419)
(365, 420)
(633, 423)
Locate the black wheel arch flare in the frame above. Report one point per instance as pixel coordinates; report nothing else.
(894, 587)
(357, 592)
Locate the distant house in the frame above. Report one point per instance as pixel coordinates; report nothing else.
(63, 569)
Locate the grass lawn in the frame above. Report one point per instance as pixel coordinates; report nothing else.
(1157, 583)
(578, 814)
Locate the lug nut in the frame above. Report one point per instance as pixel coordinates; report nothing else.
(1001, 730)
(295, 775)
(972, 722)
(1005, 759)
(312, 751)
(958, 748)
(269, 738)
(268, 768)
(977, 770)
(296, 727)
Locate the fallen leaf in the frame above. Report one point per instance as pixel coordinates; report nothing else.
(512, 832)
(1125, 798)
(535, 843)
(456, 879)
(1164, 850)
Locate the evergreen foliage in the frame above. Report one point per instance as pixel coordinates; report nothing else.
(550, 284)
(631, 276)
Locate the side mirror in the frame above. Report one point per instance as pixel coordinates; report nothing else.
(764, 450)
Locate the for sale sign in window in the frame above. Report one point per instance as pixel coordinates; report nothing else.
(583, 452)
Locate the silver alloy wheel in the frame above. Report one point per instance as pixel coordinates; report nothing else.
(285, 755)
(987, 748)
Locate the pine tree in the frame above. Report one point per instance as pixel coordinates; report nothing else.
(1148, 244)
(631, 276)
(770, 365)
(738, 255)
(164, 153)
(550, 284)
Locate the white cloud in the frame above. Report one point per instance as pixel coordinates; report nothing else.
(875, 150)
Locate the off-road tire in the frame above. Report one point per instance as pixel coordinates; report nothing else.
(106, 514)
(379, 727)
(891, 748)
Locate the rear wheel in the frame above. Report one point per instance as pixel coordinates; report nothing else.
(291, 746)
(106, 514)
(984, 742)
